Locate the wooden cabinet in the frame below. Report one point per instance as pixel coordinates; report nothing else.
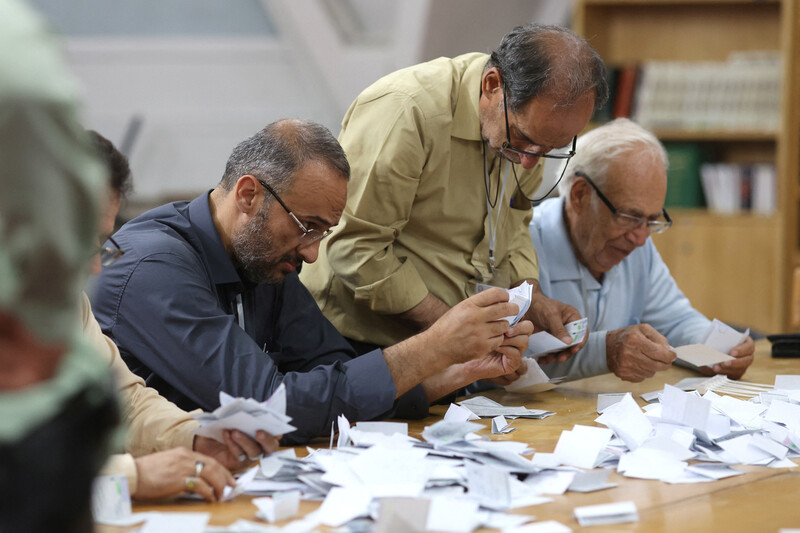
(738, 268)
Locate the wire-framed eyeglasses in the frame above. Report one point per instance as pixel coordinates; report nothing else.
(110, 254)
(309, 235)
(626, 221)
(564, 152)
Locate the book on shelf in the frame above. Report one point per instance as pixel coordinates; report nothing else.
(624, 91)
(683, 175)
(740, 94)
(733, 188)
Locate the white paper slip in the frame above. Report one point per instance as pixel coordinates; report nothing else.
(722, 337)
(604, 401)
(402, 515)
(387, 428)
(246, 415)
(520, 295)
(501, 426)
(342, 505)
(533, 380)
(591, 480)
(787, 382)
(543, 343)
(607, 513)
(581, 446)
(698, 355)
(456, 413)
(281, 506)
(455, 515)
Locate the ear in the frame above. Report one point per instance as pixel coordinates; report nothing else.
(580, 195)
(491, 83)
(248, 194)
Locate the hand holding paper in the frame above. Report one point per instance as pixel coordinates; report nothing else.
(637, 352)
(543, 343)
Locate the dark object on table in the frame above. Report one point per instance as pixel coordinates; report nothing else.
(785, 345)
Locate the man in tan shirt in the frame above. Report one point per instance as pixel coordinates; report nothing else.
(445, 157)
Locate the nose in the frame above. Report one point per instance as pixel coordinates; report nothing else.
(309, 253)
(639, 235)
(528, 161)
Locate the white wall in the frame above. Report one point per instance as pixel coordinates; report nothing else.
(201, 91)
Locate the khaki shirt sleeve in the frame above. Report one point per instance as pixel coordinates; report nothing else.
(384, 141)
(122, 464)
(154, 423)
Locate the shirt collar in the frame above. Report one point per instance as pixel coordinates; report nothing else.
(219, 263)
(466, 122)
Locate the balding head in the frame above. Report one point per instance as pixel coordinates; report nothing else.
(277, 152)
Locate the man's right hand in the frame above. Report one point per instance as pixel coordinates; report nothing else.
(164, 474)
(637, 352)
(473, 328)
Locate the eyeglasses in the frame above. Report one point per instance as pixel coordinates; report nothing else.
(565, 152)
(309, 236)
(630, 222)
(110, 254)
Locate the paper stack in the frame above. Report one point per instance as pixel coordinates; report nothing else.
(247, 416)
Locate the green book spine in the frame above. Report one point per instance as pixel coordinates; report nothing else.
(684, 188)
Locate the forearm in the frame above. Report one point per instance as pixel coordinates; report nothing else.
(411, 362)
(425, 313)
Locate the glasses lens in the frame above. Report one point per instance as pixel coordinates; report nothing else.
(109, 256)
(312, 236)
(659, 226)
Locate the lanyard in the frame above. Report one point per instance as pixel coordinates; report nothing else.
(493, 224)
(240, 311)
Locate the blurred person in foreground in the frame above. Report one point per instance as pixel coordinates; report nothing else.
(596, 254)
(57, 407)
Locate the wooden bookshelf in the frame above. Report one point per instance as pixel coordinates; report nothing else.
(740, 268)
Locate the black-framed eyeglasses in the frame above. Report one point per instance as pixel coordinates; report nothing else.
(309, 236)
(626, 221)
(565, 152)
(110, 254)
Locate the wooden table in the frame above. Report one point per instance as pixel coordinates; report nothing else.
(764, 499)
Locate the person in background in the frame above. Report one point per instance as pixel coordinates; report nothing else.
(57, 407)
(206, 299)
(446, 156)
(160, 436)
(597, 255)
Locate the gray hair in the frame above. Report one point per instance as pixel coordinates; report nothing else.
(538, 59)
(277, 152)
(598, 148)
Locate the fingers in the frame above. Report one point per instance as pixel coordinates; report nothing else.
(234, 449)
(523, 327)
(748, 347)
(268, 442)
(197, 485)
(489, 297)
(250, 447)
(213, 474)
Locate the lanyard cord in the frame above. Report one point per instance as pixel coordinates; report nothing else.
(498, 202)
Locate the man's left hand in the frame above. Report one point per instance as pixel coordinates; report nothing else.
(239, 450)
(735, 369)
